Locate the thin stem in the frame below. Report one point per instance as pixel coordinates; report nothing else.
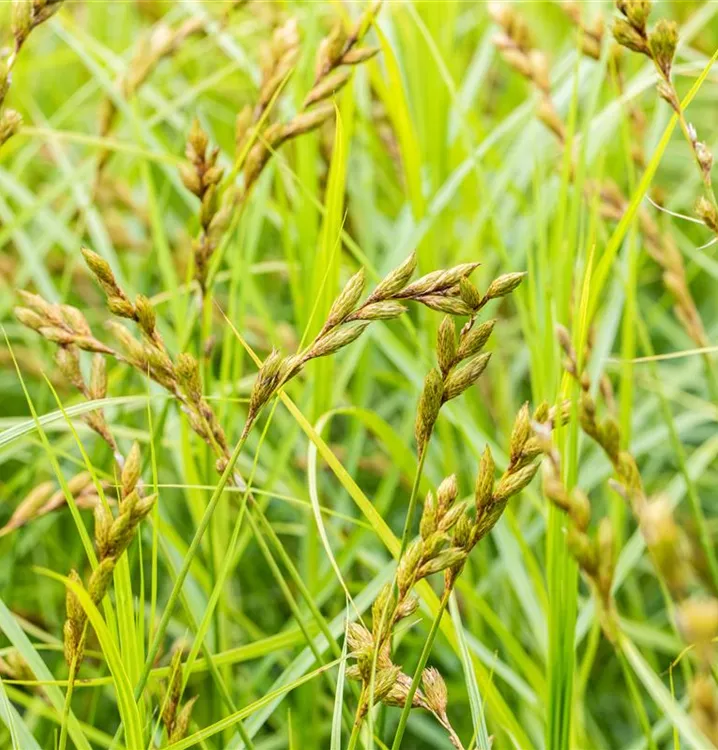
(369, 697)
(406, 534)
(423, 658)
(74, 667)
(356, 729)
(187, 563)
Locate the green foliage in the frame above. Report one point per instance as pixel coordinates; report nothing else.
(229, 394)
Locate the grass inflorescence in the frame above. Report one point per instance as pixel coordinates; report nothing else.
(358, 376)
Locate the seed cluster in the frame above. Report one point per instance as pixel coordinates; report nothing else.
(338, 53)
(515, 44)
(175, 715)
(659, 45)
(202, 176)
(113, 535)
(697, 611)
(45, 498)
(256, 137)
(448, 532)
(451, 380)
(347, 320)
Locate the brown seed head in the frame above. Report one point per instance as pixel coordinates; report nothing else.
(395, 281)
(428, 409)
(706, 212)
(464, 377)
(473, 342)
(483, 489)
(512, 483)
(504, 285)
(627, 36)
(347, 300)
(435, 690)
(662, 43)
(446, 346)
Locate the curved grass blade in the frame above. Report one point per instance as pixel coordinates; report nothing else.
(129, 712)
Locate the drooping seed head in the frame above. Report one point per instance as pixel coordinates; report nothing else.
(21, 20)
(145, 314)
(190, 179)
(407, 607)
(359, 55)
(470, 294)
(664, 541)
(306, 122)
(462, 531)
(328, 86)
(73, 608)
(580, 509)
(187, 369)
(438, 281)
(707, 213)
(451, 518)
(121, 307)
(330, 50)
(29, 318)
(435, 690)
(98, 377)
(627, 36)
(583, 550)
(636, 11)
(197, 142)
(662, 42)
(705, 160)
(385, 681)
(268, 380)
(68, 362)
(100, 268)
(359, 639)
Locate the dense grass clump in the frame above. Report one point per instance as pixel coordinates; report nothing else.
(358, 375)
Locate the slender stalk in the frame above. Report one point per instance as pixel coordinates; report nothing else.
(187, 563)
(406, 535)
(356, 728)
(68, 696)
(411, 510)
(423, 658)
